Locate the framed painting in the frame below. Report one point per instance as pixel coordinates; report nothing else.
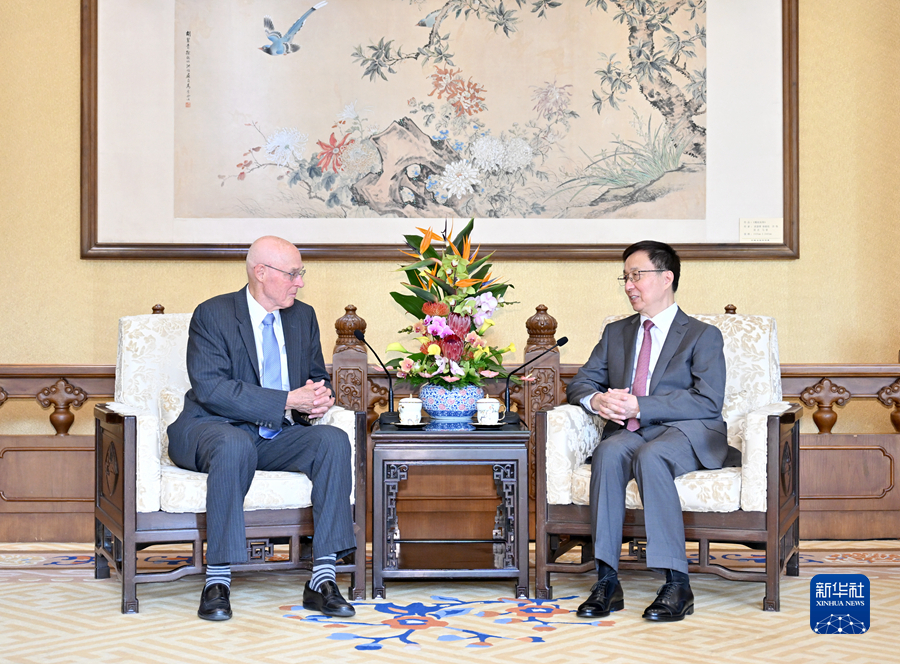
(567, 129)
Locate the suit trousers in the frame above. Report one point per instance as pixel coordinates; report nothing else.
(654, 456)
(230, 456)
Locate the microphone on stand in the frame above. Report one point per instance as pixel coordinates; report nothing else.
(513, 418)
(389, 417)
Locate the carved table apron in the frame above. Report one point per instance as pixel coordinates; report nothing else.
(504, 450)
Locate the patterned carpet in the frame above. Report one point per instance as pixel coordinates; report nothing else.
(52, 610)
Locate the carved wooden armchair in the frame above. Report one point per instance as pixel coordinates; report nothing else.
(756, 504)
(142, 498)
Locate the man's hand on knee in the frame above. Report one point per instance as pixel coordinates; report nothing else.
(314, 399)
(616, 405)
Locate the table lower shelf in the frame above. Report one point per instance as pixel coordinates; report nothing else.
(449, 556)
(450, 560)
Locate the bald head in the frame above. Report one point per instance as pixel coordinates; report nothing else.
(270, 262)
(269, 249)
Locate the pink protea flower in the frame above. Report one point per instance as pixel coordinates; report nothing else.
(460, 324)
(452, 347)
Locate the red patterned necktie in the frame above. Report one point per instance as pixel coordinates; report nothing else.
(639, 387)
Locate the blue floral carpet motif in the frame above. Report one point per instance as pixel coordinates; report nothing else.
(472, 624)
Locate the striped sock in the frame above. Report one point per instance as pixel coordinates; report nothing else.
(322, 571)
(218, 574)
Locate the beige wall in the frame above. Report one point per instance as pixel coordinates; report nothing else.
(838, 303)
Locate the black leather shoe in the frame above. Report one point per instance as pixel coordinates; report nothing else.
(328, 601)
(673, 602)
(215, 602)
(606, 596)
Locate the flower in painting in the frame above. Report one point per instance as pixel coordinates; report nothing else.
(349, 114)
(458, 178)
(284, 144)
(467, 99)
(445, 82)
(488, 153)
(332, 153)
(517, 155)
(361, 158)
(552, 101)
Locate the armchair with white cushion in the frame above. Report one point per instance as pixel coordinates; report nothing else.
(142, 498)
(756, 503)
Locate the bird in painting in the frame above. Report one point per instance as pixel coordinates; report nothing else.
(283, 44)
(428, 21)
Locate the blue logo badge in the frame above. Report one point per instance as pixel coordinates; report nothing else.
(839, 604)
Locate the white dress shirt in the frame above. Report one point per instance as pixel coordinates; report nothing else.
(662, 322)
(257, 314)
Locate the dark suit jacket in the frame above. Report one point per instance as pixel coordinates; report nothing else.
(223, 369)
(687, 388)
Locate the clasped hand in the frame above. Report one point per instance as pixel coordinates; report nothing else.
(617, 405)
(314, 399)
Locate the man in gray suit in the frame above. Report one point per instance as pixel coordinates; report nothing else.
(659, 379)
(257, 376)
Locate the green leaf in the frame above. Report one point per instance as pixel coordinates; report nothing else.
(422, 293)
(414, 241)
(444, 286)
(463, 234)
(410, 303)
(423, 263)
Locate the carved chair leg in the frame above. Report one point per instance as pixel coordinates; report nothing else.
(129, 586)
(101, 564)
(772, 600)
(793, 564)
(542, 587)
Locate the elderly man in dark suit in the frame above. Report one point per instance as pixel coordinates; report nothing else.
(658, 377)
(257, 376)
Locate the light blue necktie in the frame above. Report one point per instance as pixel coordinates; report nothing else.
(271, 374)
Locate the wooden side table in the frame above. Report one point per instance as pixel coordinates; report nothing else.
(504, 450)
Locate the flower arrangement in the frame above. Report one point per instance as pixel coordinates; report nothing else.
(454, 297)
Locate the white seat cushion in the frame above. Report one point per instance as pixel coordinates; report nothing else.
(699, 491)
(185, 491)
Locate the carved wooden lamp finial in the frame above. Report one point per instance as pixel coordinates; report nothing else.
(159, 309)
(345, 326)
(541, 330)
(730, 309)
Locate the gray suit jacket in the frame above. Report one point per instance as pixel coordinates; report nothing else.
(687, 388)
(223, 369)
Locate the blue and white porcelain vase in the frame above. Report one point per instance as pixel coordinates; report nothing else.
(456, 404)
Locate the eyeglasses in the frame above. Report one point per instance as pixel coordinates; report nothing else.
(634, 276)
(293, 275)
